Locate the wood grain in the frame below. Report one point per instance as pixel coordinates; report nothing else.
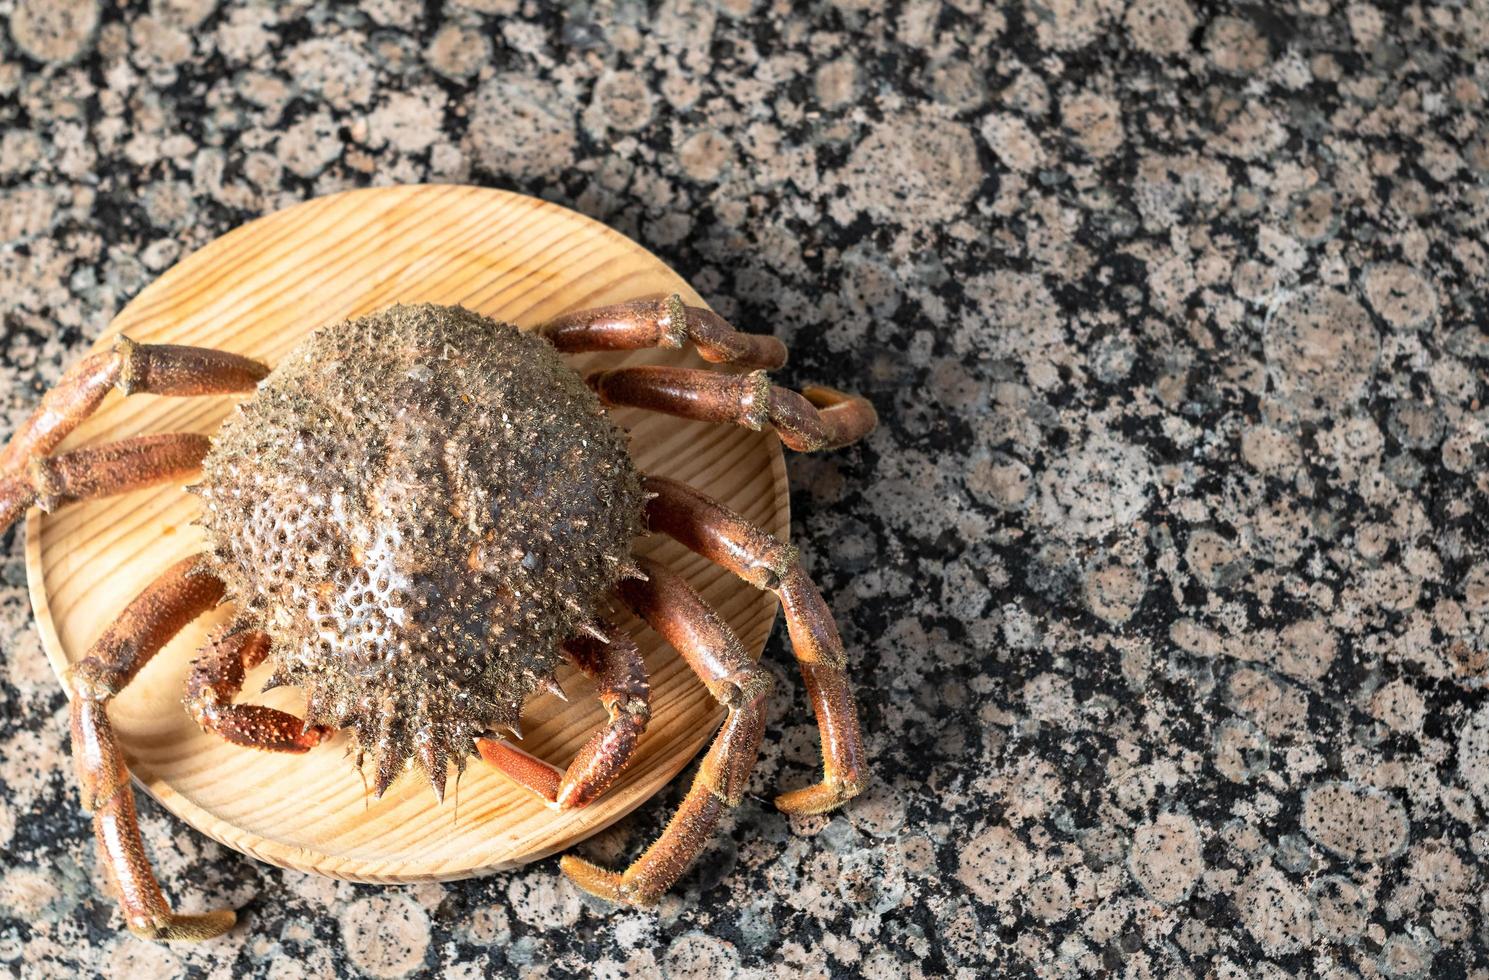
(257, 291)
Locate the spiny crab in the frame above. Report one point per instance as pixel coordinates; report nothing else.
(416, 515)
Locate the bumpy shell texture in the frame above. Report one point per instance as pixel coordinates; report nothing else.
(418, 506)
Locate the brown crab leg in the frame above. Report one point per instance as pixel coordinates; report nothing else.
(170, 602)
(217, 677)
(704, 525)
(662, 322)
(522, 768)
(620, 675)
(714, 653)
(818, 418)
(101, 471)
(159, 369)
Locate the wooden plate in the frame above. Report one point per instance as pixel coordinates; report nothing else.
(257, 291)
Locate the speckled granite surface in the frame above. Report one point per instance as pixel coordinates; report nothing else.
(1167, 574)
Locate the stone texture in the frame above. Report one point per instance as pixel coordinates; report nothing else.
(1166, 577)
(1354, 823)
(53, 30)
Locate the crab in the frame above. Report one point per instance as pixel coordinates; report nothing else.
(416, 516)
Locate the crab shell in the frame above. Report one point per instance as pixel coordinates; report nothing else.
(418, 507)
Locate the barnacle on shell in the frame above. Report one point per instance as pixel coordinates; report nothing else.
(418, 507)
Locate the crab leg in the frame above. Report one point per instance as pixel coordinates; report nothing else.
(170, 602)
(663, 322)
(159, 369)
(818, 418)
(620, 674)
(101, 471)
(217, 677)
(714, 653)
(703, 525)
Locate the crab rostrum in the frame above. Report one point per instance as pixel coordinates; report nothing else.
(416, 516)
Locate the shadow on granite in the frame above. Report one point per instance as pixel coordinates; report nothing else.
(1166, 576)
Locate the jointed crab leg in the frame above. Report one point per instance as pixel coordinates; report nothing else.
(662, 322)
(710, 647)
(160, 369)
(217, 677)
(170, 602)
(703, 525)
(818, 418)
(101, 471)
(620, 675)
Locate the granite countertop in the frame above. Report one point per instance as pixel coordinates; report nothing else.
(1166, 576)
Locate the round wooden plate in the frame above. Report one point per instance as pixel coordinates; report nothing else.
(257, 291)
